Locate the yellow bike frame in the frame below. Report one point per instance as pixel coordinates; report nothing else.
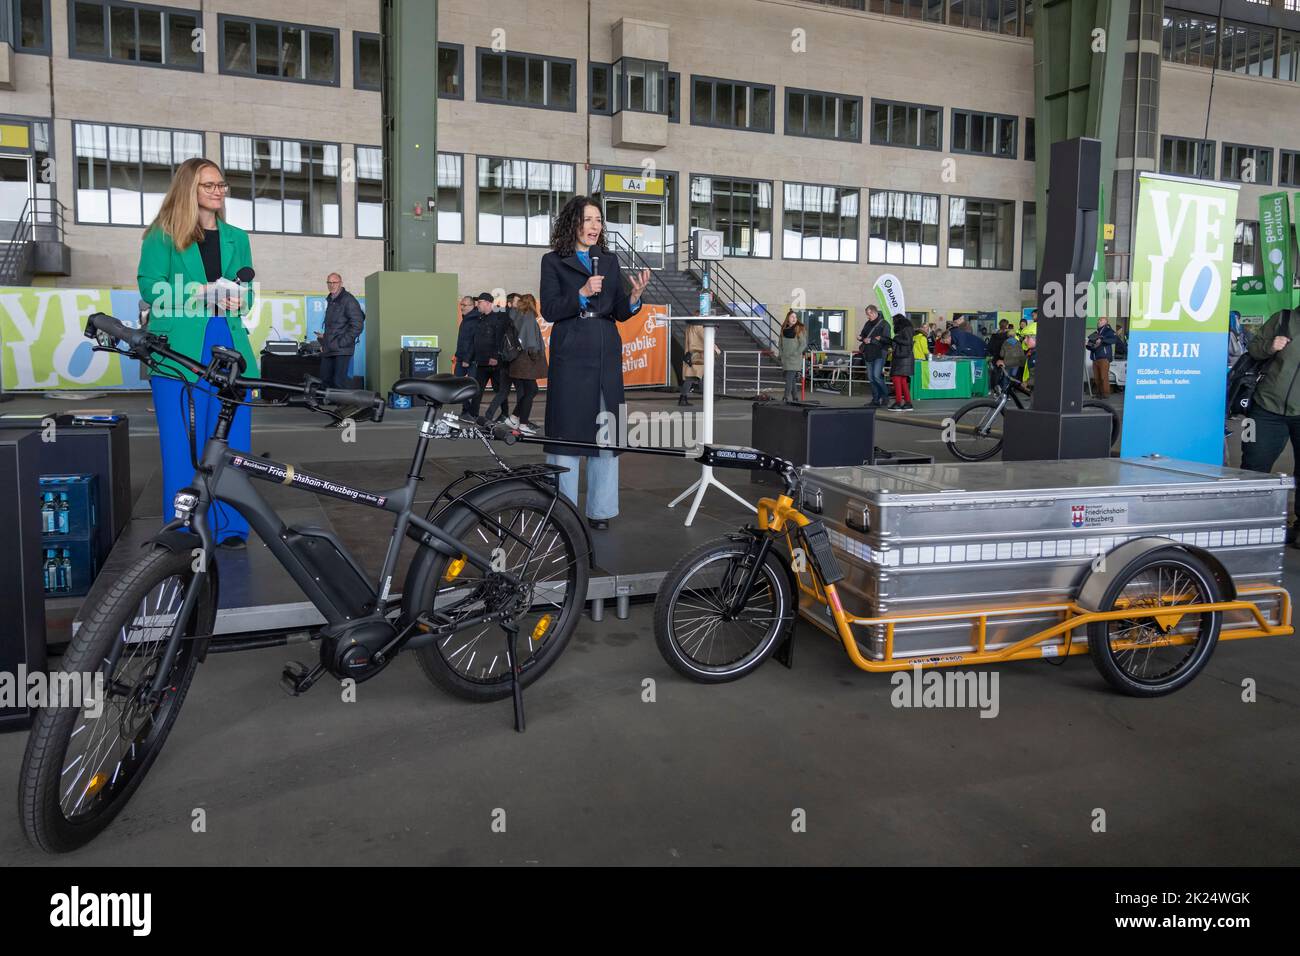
(780, 516)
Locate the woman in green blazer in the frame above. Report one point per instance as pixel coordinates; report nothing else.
(187, 250)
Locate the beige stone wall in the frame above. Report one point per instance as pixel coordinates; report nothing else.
(841, 51)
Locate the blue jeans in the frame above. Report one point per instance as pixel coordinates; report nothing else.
(602, 480)
(876, 376)
(172, 411)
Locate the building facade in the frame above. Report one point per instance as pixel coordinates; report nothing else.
(829, 142)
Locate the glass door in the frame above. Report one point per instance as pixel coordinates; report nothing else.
(15, 190)
(618, 220)
(649, 237)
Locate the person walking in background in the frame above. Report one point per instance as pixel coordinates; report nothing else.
(793, 343)
(582, 297)
(190, 246)
(487, 350)
(463, 360)
(1101, 345)
(525, 370)
(903, 364)
(874, 339)
(344, 321)
(508, 349)
(693, 362)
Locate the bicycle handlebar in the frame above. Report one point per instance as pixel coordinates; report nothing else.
(143, 341)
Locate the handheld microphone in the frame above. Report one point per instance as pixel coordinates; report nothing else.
(595, 265)
(245, 274)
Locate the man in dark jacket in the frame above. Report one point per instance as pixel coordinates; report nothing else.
(343, 323)
(1276, 409)
(997, 338)
(964, 341)
(463, 359)
(1101, 345)
(485, 350)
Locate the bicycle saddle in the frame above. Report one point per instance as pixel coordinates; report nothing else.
(441, 389)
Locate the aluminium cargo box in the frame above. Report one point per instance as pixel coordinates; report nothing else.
(920, 539)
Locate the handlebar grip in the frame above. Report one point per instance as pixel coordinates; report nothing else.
(349, 396)
(102, 322)
(504, 433)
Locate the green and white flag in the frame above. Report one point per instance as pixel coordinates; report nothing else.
(1275, 245)
(889, 295)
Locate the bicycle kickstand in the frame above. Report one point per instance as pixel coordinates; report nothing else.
(516, 690)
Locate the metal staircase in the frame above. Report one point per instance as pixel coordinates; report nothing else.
(37, 244)
(679, 284)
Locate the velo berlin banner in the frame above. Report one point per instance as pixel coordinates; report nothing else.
(1178, 342)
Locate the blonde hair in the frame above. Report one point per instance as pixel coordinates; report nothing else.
(178, 216)
(527, 304)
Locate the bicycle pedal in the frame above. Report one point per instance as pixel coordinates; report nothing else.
(297, 678)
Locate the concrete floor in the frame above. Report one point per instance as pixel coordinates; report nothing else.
(707, 775)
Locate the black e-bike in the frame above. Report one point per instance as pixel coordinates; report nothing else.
(492, 595)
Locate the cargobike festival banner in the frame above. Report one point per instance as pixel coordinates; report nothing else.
(1178, 338)
(645, 346)
(43, 348)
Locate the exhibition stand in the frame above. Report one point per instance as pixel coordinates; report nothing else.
(958, 377)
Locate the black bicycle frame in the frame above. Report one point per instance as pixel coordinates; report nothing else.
(224, 475)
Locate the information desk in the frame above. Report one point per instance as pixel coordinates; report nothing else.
(950, 378)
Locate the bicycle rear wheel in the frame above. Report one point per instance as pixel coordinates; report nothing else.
(85, 759)
(976, 431)
(472, 663)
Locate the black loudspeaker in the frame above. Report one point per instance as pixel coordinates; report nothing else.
(86, 445)
(1069, 253)
(813, 436)
(22, 599)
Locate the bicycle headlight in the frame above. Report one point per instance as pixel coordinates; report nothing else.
(186, 500)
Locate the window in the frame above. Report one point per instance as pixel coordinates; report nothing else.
(905, 124)
(1247, 255)
(599, 92)
(130, 33)
(451, 197)
(819, 222)
(518, 199)
(1248, 49)
(903, 228)
(1288, 56)
(451, 71)
(993, 16)
(981, 233)
(282, 185)
(1247, 164)
(1030, 148)
(741, 209)
(986, 133)
(640, 86)
(279, 51)
(527, 79)
(823, 115)
(30, 26)
(674, 97)
(1028, 245)
(123, 172)
(929, 10)
(370, 192)
(1190, 38)
(1187, 157)
(1288, 168)
(367, 65)
(732, 104)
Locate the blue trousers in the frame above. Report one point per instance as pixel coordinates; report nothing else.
(171, 402)
(602, 479)
(876, 376)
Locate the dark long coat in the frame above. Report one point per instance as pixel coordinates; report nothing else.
(586, 360)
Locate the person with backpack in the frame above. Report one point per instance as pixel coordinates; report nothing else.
(875, 341)
(903, 364)
(1012, 357)
(523, 341)
(1275, 405)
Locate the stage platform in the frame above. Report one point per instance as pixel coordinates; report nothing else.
(631, 557)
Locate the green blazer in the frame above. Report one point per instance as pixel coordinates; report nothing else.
(180, 314)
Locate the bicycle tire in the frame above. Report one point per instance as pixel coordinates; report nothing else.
(45, 822)
(670, 597)
(1114, 418)
(426, 584)
(1113, 665)
(966, 454)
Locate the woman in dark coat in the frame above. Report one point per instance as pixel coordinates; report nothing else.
(903, 363)
(582, 297)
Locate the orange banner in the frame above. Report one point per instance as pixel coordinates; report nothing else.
(645, 346)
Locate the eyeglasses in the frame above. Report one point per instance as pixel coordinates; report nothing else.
(215, 187)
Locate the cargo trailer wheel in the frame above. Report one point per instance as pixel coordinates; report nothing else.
(1156, 655)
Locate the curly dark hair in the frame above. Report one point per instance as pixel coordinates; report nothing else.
(564, 232)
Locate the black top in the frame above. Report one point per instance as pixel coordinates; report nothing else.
(210, 250)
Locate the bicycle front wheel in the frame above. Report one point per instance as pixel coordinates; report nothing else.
(701, 632)
(976, 431)
(544, 547)
(86, 758)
